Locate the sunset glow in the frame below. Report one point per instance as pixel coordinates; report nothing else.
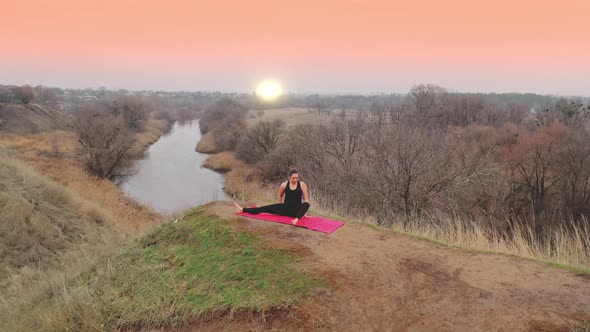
(317, 46)
(269, 90)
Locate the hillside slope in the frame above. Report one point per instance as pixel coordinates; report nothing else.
(199, 272)
(41, 220)
(48, 234)
(392, 282)
(30, 119)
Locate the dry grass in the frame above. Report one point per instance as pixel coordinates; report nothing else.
(65, 168)
(207, 143)
(153, 131)
(50, 144)
(64, 144)
(179, 273)
(561, 246)
(32, 118)
(41, 219)
(49, 235)
(291, 116)
(242, 184)
(65, 221)
(223, 162)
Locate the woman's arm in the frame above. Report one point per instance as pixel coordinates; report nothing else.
(304, 189)
(282, 191)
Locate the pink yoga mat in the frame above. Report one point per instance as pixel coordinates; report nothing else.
(310, 222)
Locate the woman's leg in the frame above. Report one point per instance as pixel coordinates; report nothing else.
(302, 210)
(273, 208)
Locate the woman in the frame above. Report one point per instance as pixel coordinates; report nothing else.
(293, 190)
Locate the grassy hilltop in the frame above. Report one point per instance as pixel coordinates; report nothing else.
(181, 273)
(186, 271)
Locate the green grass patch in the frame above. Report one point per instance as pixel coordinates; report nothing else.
(182, 270)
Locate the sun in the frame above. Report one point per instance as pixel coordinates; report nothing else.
(269, 90)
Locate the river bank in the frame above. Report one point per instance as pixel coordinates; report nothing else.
(55, 154)
(50, 205)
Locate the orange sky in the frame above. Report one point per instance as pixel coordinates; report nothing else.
(326, 46)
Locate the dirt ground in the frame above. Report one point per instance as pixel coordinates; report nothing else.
(389, 282)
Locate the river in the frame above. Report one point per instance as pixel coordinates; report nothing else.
(170, 177)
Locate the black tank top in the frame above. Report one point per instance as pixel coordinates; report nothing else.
(293, 197)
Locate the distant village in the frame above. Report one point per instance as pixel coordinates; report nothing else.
(69, 100)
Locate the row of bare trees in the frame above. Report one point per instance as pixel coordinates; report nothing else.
(26, 94)
(436, 152)
(431, 105)
(387, 170)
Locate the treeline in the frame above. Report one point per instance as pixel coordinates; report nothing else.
(26, 94)
(435, 154)
(108, 121)
(71, 98)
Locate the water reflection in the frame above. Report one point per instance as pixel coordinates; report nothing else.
(170, 177)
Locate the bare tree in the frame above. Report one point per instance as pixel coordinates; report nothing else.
(260, 140)
(341, 140)
(535, 161)
(425, 100)
(378, 111)
(394, 108)
(317, 104)
(408, 166)
(105, 142)
(461, 110)
(6, 95)
(132, 109)
(575, 166)
(515, 112)
(24, 93)
(572, 113)
(329, 157)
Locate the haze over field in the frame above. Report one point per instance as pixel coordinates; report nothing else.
(309, 46)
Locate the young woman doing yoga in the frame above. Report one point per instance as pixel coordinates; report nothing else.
(293, 206)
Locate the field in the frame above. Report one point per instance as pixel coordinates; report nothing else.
(292, 116)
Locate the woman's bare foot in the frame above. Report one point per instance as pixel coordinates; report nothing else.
(239, 209)
(294, 221)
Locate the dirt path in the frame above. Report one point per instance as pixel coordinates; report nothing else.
(389, 282)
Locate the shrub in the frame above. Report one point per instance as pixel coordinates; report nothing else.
(260, 140)
(105, 142)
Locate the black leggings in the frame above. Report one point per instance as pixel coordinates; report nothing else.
(280, 209)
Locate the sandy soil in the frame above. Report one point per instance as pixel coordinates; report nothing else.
(389, 282)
